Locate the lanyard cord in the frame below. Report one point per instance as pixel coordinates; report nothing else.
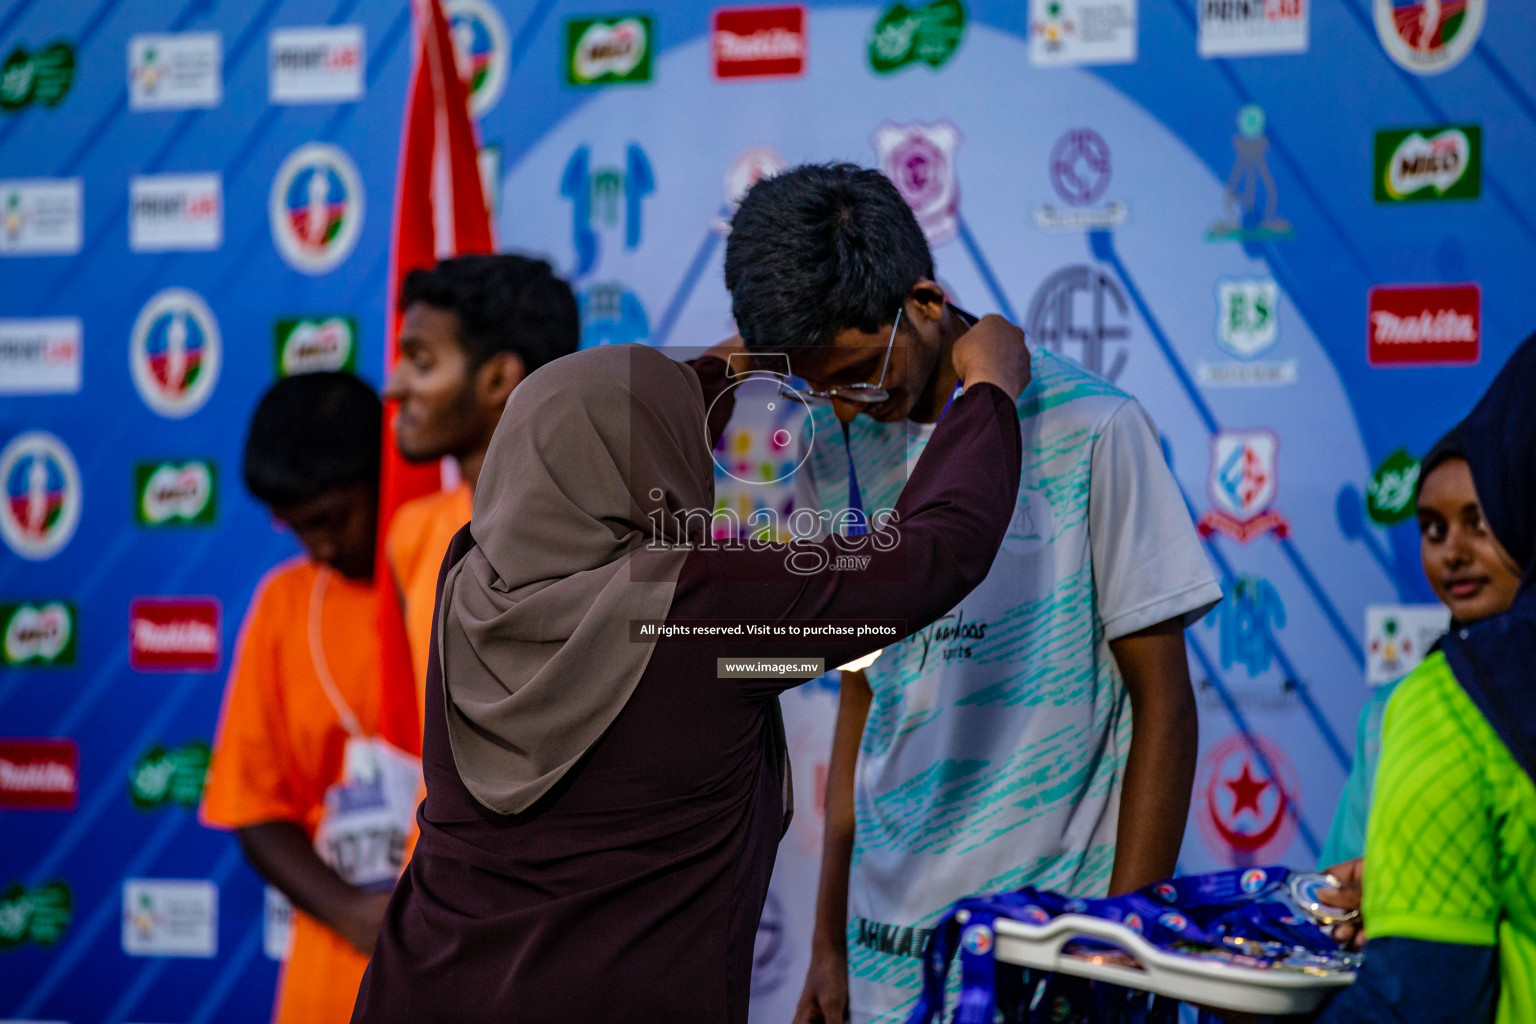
(317, 656)
(860, 526)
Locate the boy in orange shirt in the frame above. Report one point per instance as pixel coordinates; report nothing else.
(320, 805)
(474, 327)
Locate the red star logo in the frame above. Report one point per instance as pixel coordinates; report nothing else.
(1246, 791)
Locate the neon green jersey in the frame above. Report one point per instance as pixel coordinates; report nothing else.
(1450, 850)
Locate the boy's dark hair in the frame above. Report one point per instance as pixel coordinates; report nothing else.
(505, 303)
(817, 250)
(313, 433)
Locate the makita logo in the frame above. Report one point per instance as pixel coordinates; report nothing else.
(174, 634)
(1425, 325)
(759, 42)
(38, 774)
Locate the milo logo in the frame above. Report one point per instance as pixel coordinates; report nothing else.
(37, 634)
(310, 344)
(1429, 163)
(165, 776)
(906, 35)
(601, 51)
(174, 494)
(1390, 494)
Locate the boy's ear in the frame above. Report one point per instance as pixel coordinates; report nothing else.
(926, 298)
(497, 376)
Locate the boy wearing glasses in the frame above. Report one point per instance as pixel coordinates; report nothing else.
(995, 748)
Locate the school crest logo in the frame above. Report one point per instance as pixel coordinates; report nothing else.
(37, 634)
(480, 46)
(1250, 202)
(611, 315)
(42, 495)
(175, 494)
(175, 353)
(1247, 311)
(920, 159)
(1429, 36)
(1080, 170)
(1243, 486)
(316, 208)
(1245, 798)
(751, 167)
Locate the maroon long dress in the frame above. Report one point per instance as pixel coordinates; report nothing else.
(631, 892)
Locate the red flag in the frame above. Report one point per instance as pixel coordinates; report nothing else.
(439, 211)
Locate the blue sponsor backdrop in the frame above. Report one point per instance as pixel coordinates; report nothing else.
(1205, 230)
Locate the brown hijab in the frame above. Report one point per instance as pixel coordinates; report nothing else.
(594, 452)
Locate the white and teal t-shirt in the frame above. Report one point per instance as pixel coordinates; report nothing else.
(995, 747)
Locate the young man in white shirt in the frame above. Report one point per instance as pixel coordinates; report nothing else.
(994, 749)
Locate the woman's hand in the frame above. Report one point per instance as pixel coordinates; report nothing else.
(1348, 896)
(993, 352)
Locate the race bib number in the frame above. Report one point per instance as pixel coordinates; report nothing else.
(368, 814)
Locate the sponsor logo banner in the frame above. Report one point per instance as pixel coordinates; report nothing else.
(170, 917)
(1250, 201)
(606, 51)
(39, 775)
(164, 776)
(1067, 32)
(42, 495)
(1429, 36)
(1081, 312)
(754, 42)
(316, 207)
(1243, 486)
(1399, 636)
(42, 77)
(1389, 495)
(1247, 28)
(1246, 800)
(1438, 162)
(308, 344)
(1425, 325)
(481, 48)
(1080, 172)
(40, 356)
(175, 71)
(175, 493)
(1247, 325)
(175, 212)
(611, 314)
(173, 634)
(41, 216)
(38, 634)
(316, 65)
(906, 35)
(37, 914)
(920, 159)
(175, 352)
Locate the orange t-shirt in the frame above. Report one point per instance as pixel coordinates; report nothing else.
(280, 746)
(418, 538)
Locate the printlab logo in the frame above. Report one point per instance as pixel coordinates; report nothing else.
(1245, 218)
(1247, 325)
(920, 159)
(310, 344)
(40, 356)
(1243, 486)
(1438, 162)
(1425, 325)
(165, 776)
(1082, 306)
(481, 48)
(597, 195)
(758, 42)
(1389, 495)
(43, 77)
(39, 775)
(175, 353)
(173, 634)
(609, 51)
(38, 635)
(1080, 172)
(39, 915)
(904, 35)
(42, 495)
(1429, 36)
(174, 494)
(1247, 28)
(170, 917)
(316, 207)
(611, 315)
(41, 216)
(176, 71)
(175, 212)
(1067, 32)
(316, 65)
(1398, 637)
(1246, 800)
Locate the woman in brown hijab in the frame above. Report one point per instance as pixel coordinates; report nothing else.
(602, 809)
